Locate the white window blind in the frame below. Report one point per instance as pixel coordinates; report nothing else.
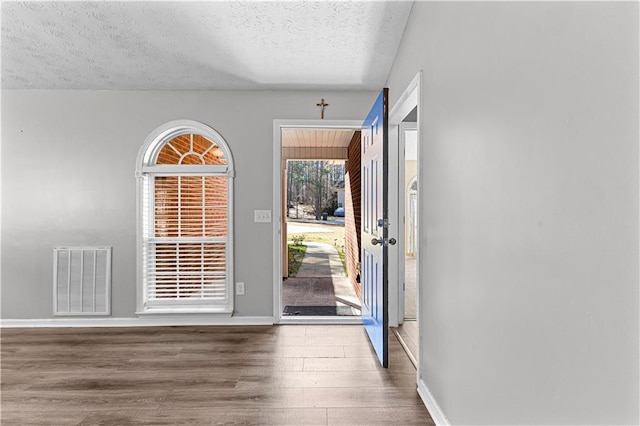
(186, 242)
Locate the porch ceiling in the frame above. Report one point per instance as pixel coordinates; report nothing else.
(316, 138)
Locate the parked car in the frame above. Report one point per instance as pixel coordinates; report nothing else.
(339, 212)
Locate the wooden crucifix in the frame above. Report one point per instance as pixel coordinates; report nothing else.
(322, 104)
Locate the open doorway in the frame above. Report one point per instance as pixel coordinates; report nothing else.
(317, 281)
(408, 187)
(320, 223)
(409, 199)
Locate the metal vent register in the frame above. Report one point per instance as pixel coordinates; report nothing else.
(82, 280)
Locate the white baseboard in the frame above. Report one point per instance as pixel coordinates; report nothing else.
(432, 406)
(133, 322)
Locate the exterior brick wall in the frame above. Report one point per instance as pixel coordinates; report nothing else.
(197, 145)
(191, 206)
(352, 212)
(195, 204)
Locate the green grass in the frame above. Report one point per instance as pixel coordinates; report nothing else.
(343, 258)
(336, 237)
(296, 254)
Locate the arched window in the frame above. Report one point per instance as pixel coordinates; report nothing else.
(185, 238)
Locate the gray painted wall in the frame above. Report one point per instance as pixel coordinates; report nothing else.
(68, 161)
(529, 153)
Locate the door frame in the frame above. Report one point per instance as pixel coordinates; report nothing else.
(410, 98)
(277, 215)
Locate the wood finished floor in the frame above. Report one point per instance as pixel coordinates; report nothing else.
(297, 375)
(408, 333)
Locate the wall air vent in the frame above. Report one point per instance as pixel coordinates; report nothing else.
(82, 280)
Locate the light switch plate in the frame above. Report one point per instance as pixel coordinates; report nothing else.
(239, 289)
(262, 216)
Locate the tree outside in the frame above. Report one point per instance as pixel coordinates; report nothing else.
(312, 186)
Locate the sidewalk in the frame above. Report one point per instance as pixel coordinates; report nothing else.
(331, 221)
(321, 281)
(320, 260)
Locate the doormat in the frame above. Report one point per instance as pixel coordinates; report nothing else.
(319, 311)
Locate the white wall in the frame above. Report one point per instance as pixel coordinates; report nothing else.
(68, 161)
(529, 153)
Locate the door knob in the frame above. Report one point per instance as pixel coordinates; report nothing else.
(381, 241)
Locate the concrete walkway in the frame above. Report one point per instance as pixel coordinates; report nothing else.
(320, 260)
(321, 281)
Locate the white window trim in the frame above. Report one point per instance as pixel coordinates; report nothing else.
(145, 167)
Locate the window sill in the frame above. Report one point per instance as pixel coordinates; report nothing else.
(190, 312)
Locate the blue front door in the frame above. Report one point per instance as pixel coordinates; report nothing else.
(374, 229)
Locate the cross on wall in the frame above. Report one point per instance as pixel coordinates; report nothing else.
(322, 104)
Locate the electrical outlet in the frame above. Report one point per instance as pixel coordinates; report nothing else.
(239, 289)
(262, 216)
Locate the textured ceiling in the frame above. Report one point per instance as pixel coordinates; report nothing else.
(200, 45)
